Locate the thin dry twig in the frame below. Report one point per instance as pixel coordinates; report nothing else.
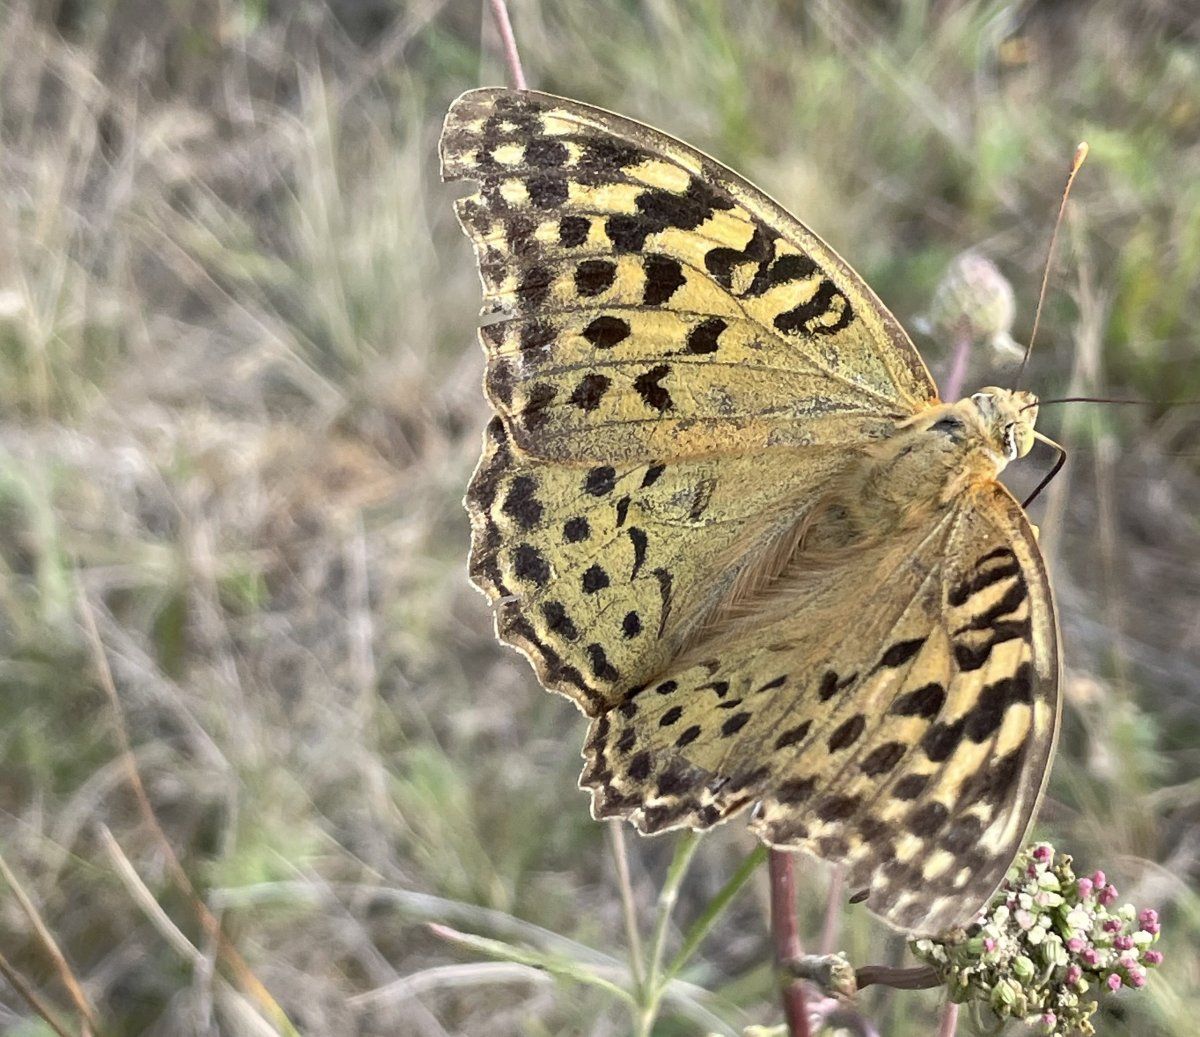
(17, 982)
(616, 835)
(920, 977)
(82, 1004)
(833, 909)
(248, 981)
(508, 41)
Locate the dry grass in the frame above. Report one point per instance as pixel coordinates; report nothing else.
(239, 403)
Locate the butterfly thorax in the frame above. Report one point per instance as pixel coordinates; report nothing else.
(922, 468)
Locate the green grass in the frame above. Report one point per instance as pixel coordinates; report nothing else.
(239, 404)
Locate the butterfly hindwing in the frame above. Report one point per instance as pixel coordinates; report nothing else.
(915, 751)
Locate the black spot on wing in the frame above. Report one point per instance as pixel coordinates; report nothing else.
(652, 475)
(910, 786)
(556, 617)
(971, 654)
(805, 318)
(600, 480)
(900, 653)
(985, 575)
(547, 190)
(654, 395)
(595, 276)
(573, 231)
(604, 332)
(703, 337)
(987, 715)
(926, 701)
(793, 736)
(925, 820)
(534, 413)
(734, 724)
(594, 579)
(883, 758)
(546, 153)
(601, 667)
(1010, 602)
(576, 529)
(847, 733)
(529, 564)
(664, 276)
(520, 504)
(639, 540)
(590, 391)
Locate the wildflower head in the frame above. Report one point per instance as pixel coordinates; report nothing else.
(1045, 940)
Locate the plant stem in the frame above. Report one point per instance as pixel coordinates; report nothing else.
(787, 939)
(652, 988)
(958, 369)
(616, 837)
(701, 927)
(920, 977)
(509, 42)
(948, 1022)
(833, 909)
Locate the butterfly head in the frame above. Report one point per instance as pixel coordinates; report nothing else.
(1008, 417)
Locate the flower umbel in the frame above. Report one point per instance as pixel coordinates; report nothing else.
(1046, 939)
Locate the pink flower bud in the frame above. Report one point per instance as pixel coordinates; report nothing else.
(1113, 925)
(1099, 879)
(1074, 974)
(1090, 956)
(1024, 919)
(1031, 870)
(1075, 944)
(1114, 982)
(1149, 915)
(1085, 888)
(1137, 978)
(1107, 895)
(1042, 853)
(989, 944)
(1123, 943)
(1150, 927)
(1049, 1020)
(1152, 957)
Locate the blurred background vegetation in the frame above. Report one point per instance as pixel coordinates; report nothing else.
(240, 401)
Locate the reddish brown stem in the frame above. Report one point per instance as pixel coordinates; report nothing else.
(948, 1023)
(509, 42)
(958, 369)
(787, 939)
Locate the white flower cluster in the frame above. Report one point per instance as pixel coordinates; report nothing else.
(1044, 941)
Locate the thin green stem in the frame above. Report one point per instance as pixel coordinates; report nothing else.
(716, 907)
(652, 988)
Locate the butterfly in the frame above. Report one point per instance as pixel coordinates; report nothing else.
(722, 508)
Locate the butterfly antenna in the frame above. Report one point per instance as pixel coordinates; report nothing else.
(1112, 399)
(1081, 153)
